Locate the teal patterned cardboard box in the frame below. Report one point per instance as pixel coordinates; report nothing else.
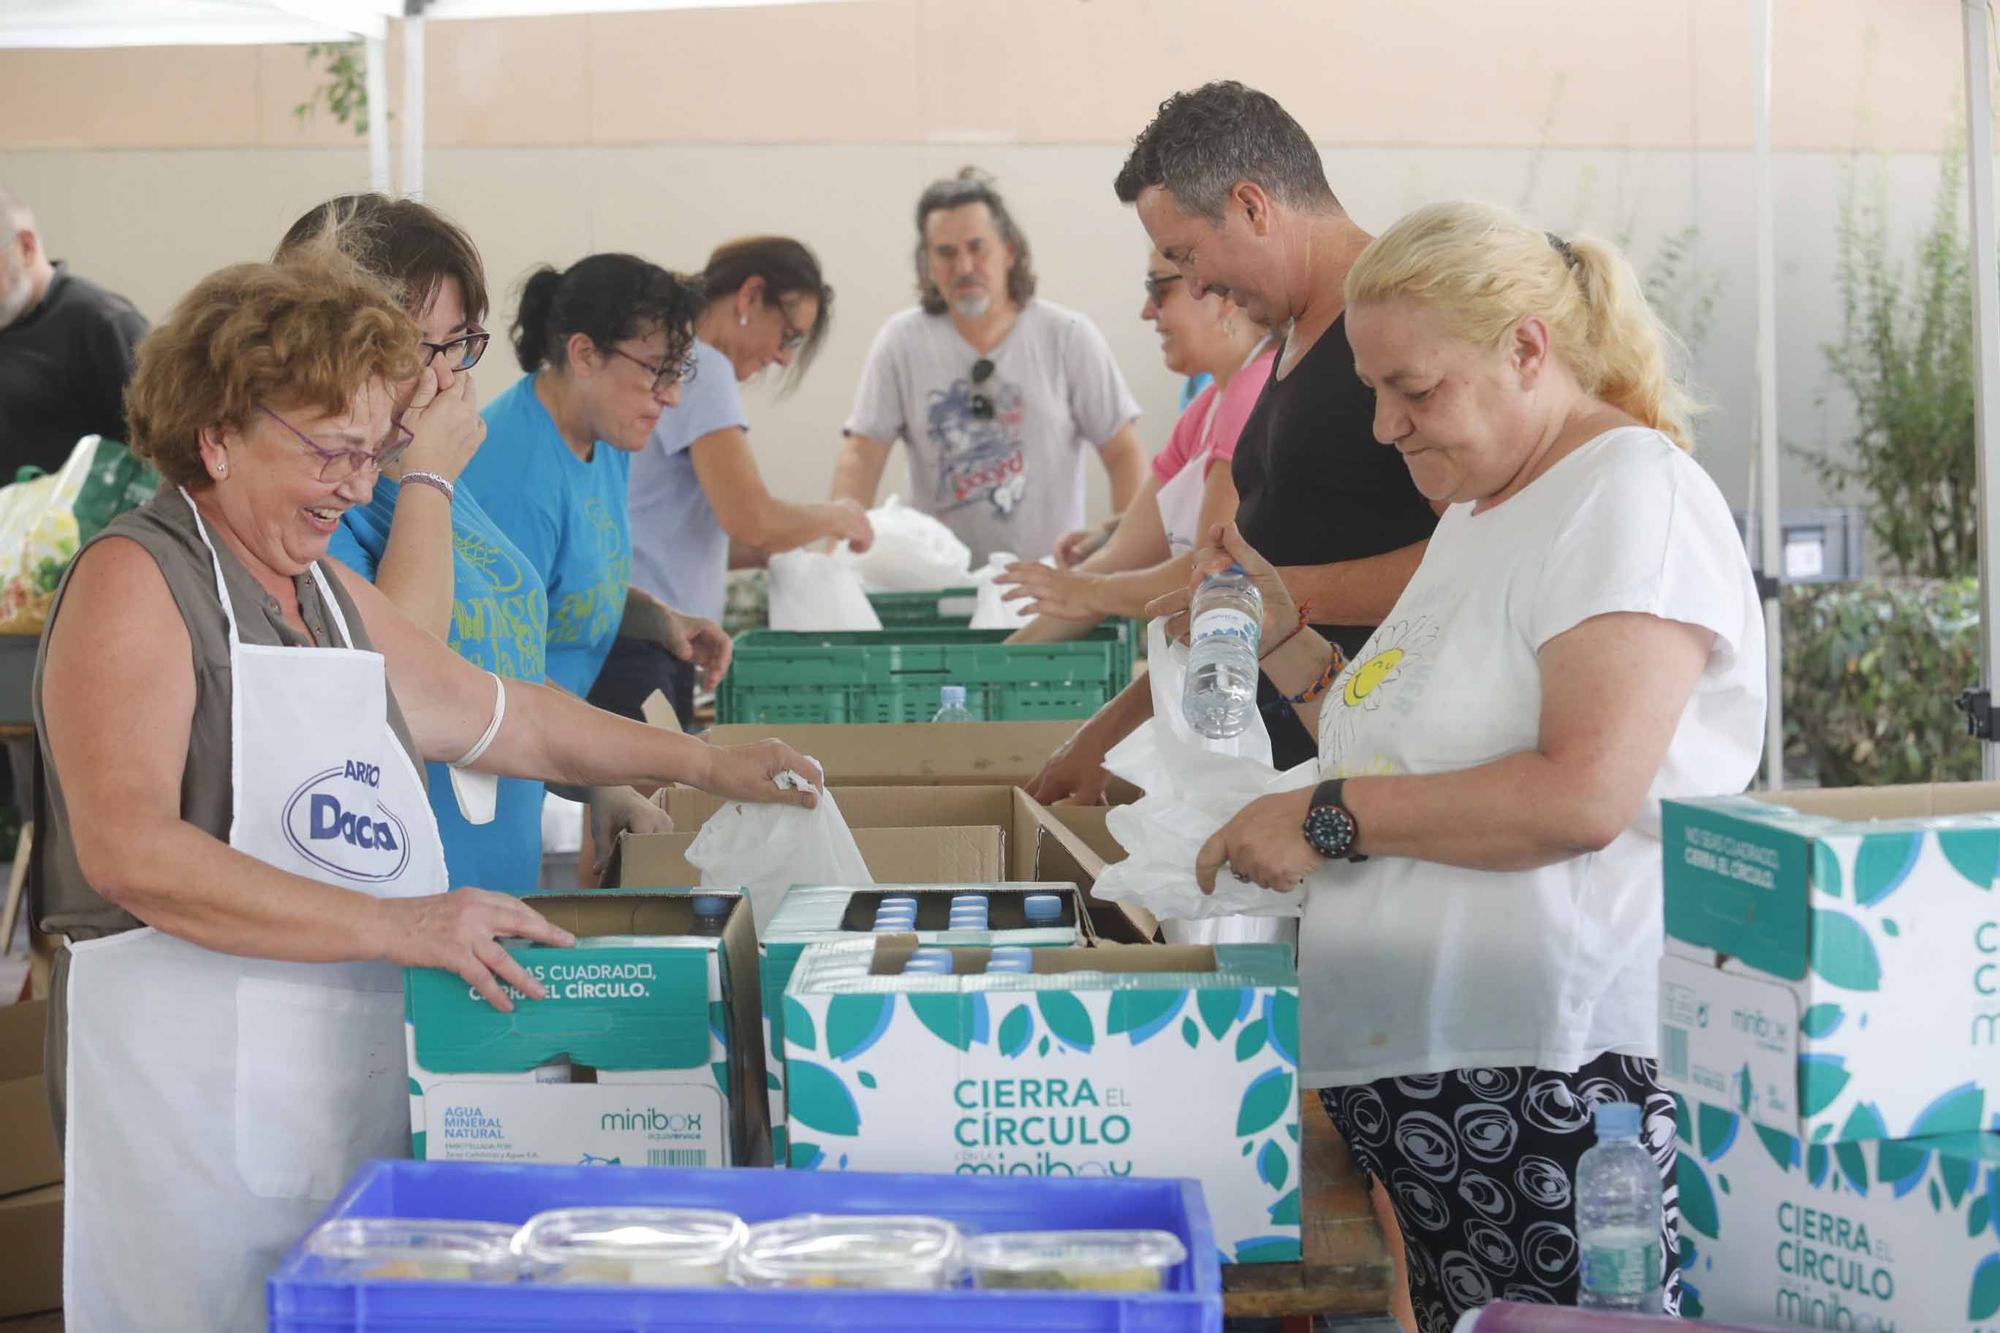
(1833, 966)
(818, 914)
(1137, 1060)
(1888, 1235)
(647, 1051)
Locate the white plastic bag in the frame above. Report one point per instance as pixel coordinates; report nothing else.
(992, 610)
(764, 849)
(912, 552)
(1193, 785)
(810, 590)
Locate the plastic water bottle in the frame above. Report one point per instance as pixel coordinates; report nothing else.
(1221, 689)
(1043, 909)
(1618, 1213)
(952, 697)
(711, 914)
(1009, 959)
(928, 962)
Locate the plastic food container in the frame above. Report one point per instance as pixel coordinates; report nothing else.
(1074, 1260)
(647, 1247)
(417, 1248)
(825, 1250)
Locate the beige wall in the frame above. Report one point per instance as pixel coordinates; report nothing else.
(665, 133)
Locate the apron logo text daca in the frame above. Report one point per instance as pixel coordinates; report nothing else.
(336, 820)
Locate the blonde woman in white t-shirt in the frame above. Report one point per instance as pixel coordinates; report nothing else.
(1582, 638)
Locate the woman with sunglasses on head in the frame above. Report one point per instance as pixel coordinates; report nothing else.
(1148, 553)
(696, 490)
(429, 546)
(232, 836)
(607, 345)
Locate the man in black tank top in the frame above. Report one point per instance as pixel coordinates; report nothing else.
(1232, 192)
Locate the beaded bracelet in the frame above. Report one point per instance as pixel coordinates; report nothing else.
(1334, 665)
(442, 485)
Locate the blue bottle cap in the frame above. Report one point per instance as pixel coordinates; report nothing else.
(969, 900)
(1010, 959)
(951, 695)
(712, 904)
(1043, 908)
(1617, 1120)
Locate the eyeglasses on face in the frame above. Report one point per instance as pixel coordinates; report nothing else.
(682, 373)
(1157, 284)
(460, 353)
(794, 337)
(337, 465)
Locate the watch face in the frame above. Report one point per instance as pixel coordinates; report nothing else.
(1330, 830)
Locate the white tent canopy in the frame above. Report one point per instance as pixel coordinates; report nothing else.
(98, 23)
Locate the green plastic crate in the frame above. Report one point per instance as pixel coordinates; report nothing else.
(943, 609)
(781, 677)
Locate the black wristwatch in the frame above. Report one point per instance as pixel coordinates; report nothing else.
(1330, 828)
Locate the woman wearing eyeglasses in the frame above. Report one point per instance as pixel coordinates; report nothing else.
(1148, 552)
(696, 489)
(433, 550)
(606, 344)
(233, 838)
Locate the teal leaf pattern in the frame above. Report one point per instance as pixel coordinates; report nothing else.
(1142, 1014)
(806, 1156)
(853, 1023)
(1715, 1131)
(1783, 1148)
(1973, 853)
(1821, 1079)
(1984, 1301)
(864, 1078)
(1281, 1018)
(1958, 1111)
(1826, 870)
(1842, 953)
(1978, 1215)
(1250, 1040)
(1937, 1203)
(418, 1141)
(817, 1099)
(1066, 1018)
(799, 1029)
(955, 1020)
(721, 1073)
(1864, 1122)
(1821, 1021)
(1273, 1165)
(416, 1088)
(1853, 1164)
(1900, 1164)
(1957, 1174)
(1698, 1210)
(1285, 1212)
(1266, 1099)
(1816, 1160)
(1220, 1008)
(1266, 1250)
(1016, 1029)
(1191, 1033)
(1882, 864)
(1042, 1048)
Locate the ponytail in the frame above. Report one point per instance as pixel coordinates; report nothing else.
(607, 298)
(531, 321)
(1483, 270)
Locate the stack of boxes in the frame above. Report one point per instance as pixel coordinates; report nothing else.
(31, 1168)
(1114, 1061)
(1830, 1022)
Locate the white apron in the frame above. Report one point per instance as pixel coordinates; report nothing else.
(1180, 498)
(216, 1103)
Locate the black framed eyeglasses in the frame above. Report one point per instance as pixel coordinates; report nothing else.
(460, 353)
(1157, 284)
(980, 403)
(662, 375)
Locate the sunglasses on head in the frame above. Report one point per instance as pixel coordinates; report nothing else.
(982, 405)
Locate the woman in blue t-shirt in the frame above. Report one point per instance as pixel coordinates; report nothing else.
(427, 544)
(696, 490)
(606, 344)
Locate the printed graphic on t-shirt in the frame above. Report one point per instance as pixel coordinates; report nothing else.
(1386, 673)
(980, 458)
(500, 627)
(588, 614)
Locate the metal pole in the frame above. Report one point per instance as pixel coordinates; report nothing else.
(1772, 538)
(1985, 331)
(413, 107)
(378, 115)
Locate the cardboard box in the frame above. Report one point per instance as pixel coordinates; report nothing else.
(821, 914)
(952, 855)
(661, 1025)
(1039, 843)
(31, 1236)
(28, 1153)
(1834, 959)
(1121, 1060)
(1893, 1234)
(891, 754)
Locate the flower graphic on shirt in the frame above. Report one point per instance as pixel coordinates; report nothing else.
(1389, 656)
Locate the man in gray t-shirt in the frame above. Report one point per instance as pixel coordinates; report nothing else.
(995, 391)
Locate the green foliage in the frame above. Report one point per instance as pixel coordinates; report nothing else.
(1905, 357)
(1871, 671)
(1681, 291)
(345, 92)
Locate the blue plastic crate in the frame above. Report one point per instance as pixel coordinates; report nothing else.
(305, 1299)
